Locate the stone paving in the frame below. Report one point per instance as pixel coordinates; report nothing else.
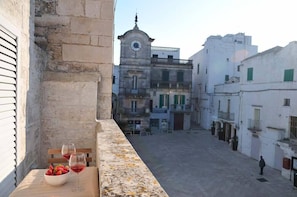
(196, 164)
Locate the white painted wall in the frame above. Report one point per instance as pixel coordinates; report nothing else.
(267, 92)
(219, 57)
(163, 52)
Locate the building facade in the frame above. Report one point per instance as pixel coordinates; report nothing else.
(154, 85)
(215, 64)
(268, 115)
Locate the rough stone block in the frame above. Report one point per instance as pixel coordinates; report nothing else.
(107, 10)
(93, 8)
(68, 38)
(91, 26)
(51, 20)
(94, 40)
(105, 41)
(70, 7)
(92, 54)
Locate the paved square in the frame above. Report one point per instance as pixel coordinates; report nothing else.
(196, 164)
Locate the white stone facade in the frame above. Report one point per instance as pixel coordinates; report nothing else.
(268, 105)
(216, 64)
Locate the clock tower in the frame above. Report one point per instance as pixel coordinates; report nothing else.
(135, 45)
(134, 80)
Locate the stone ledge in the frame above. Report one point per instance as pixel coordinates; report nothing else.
(121, 170)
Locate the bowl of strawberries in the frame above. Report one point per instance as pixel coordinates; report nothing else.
(56, 175)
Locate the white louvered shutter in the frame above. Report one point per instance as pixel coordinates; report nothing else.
(8, 65)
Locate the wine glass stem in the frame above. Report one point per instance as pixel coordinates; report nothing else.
(77, 183)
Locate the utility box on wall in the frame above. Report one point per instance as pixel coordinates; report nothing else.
(286, 163)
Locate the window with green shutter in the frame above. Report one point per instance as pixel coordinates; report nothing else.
(226, 77)
(180, 76)
(164, 100)
(165, 75)
(289, 75)
(250, 74)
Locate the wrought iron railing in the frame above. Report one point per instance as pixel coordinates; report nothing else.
(226, 115)
(254, 125)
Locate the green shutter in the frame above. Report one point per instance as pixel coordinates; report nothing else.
(289, 75)
(183, 99)
(167, 101)
(250, 74)
(161, 101)
(226, 77)
(175, 99)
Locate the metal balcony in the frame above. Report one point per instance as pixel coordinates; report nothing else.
(254, 125)
(226, 115)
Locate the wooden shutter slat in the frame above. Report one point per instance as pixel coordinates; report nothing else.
(7, 107)
(7, 52)
(8, 100)
(7, 66)
(7, 45)
(8, 37)
(7, 73)
(7, 59)
(6, 86)
(7, 80)
(7, 93)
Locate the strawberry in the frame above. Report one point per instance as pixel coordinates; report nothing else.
(59, 172)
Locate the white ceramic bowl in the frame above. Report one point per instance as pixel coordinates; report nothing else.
(56, 180)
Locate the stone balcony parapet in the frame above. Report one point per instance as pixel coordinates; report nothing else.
(121, 170)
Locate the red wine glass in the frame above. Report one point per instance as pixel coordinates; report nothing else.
(77, 163)
(67, 150)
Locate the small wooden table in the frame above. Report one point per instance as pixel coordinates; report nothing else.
(35, 185)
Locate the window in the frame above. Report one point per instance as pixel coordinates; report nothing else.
(179, 99)
(134, 82)
(206, 71)
(133, 106)
(286, 102)
(238, 68)
(180, 76)
(219, 106)
(198, 68)
(113, 79)
(250, 74)
(165, 75)
(164, 101)
(155, 56)
(289, 75)
(226, 77)
(170, 58)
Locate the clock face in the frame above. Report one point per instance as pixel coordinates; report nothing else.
(135, 45)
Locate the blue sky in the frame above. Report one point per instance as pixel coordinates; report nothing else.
(186, 24)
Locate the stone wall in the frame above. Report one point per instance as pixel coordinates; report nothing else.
(121, 170)
(77, 35)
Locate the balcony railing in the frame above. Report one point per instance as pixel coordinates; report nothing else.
(133, 112)
(226, 115)
(254, 125)
(180, 108)
(136, 92)
(159, 110)
(155, 60)
(170, 84)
